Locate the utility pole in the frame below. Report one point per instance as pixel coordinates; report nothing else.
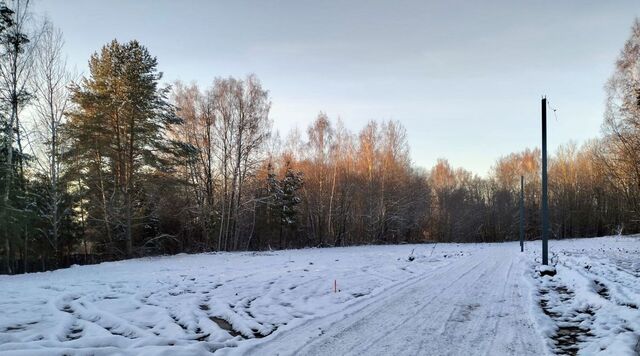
(545, 203)
(521, 213)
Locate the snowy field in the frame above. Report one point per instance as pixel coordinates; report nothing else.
(460, 299)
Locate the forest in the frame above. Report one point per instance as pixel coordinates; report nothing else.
(117, 163)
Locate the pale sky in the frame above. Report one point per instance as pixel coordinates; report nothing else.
(464, 77)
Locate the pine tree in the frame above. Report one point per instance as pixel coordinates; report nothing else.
(14, 71)
(118, 133)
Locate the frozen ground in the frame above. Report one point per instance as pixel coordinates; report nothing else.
(447, 299)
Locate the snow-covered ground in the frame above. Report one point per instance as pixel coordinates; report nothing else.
(441, 299)
(591, 305)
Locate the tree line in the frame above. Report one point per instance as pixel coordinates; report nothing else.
(117, 164)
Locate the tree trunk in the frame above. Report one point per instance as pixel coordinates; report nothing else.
(7, 248)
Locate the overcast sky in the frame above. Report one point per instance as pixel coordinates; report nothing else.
(464, 77)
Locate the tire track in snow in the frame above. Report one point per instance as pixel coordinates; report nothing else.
(406, 319)
(400, 324)
(295, 337)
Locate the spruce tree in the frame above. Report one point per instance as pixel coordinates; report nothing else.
(291, 183)
(287, 200)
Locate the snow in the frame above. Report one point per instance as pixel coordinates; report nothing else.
(595, 294)
(404, 299)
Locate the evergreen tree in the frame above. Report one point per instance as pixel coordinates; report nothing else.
(291, 184)
(118, 137)
(286, 200)
(14, 71)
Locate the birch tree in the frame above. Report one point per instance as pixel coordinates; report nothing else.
(242, 128)
(49, 84)
(621, 127)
